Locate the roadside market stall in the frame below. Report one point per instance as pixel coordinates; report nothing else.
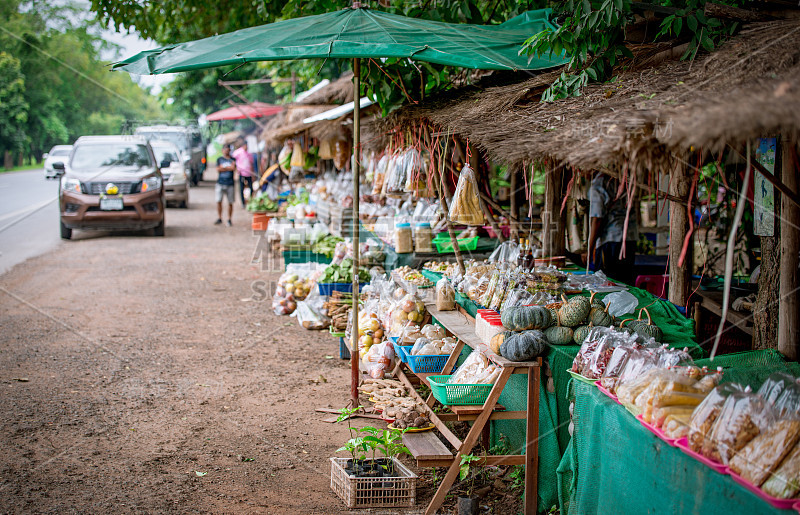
(536, 408)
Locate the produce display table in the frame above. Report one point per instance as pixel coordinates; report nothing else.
(615, 465)
(429, 451)
(415, 259)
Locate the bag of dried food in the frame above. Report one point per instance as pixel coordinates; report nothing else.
(465, 208)
(341, 154)
(445, 295)
(395, 181)
(706, 414)
(756, 460)
(379, 175)
(787, 405)
(784, 483)
(743, 416)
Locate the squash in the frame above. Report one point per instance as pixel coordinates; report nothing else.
(497, 340)
(580, 333)
(554, 315)
(574, 311)
(523, 318)
(600, 317)
(524, 346)
(559, 335)
(596, 303)
(648, 329)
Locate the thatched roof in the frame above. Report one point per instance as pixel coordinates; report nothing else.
(289, 122)
(746, 89)
(337, 92)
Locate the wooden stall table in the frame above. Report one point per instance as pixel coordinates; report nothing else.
(428, 449)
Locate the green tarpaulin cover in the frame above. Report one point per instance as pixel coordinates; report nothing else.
(358, 33)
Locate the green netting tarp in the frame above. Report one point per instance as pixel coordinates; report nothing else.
(614, 465)
(358, 33)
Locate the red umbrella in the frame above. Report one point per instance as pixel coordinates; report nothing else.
(241, 111)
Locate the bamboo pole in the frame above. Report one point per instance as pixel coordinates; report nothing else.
(514, 211)
(788, 324)
(354, 358)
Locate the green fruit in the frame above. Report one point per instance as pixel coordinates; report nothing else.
(574, 311)
(522, 318)
(580, 334)
(559, 335)
(524, 346)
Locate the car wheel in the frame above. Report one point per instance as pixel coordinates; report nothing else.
(184, 203)
(158, 230)
(66, 232)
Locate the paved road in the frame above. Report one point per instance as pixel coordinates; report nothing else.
(28, 216)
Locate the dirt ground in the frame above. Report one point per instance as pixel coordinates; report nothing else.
(139, 374)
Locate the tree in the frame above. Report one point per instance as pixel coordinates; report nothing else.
(13, 108)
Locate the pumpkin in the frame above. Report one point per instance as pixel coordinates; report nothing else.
(523, 318)
(580, 333)
(596, 303)
(648, 329)
(524, 346)
(496, 341)
(558, 335)
(600, 316)
(554, 315)
(627, 328)
(574, 311)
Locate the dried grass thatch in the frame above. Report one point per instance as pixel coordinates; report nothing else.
(337, 92)
(289, 122)
(651, 113)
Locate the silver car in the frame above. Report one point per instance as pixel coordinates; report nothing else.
(57, 154)
(176, 175)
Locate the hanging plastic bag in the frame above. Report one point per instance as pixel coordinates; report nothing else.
(396, 175)
(445, 295)
(326, 149)
(743, 417)
(285, 157)
(465, 207)
(508, 252)
(341, 154)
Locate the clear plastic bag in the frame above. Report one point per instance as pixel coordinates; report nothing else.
(706, 414)
(465, 207)
(309, 318)
(379, 174)
(504, 284)
(787, 405)
(743, 417)
(517, 297)
(433, 332)
(395, 181)
(445, 295)
(773, 386)
(507, 252)
(756, 460)
(293, 285)
(784, 483)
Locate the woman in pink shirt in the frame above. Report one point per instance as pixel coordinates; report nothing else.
(244, 164)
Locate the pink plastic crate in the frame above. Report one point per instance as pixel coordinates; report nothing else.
(683, 445)
(781, 504)
(657, 431)
(610, 395)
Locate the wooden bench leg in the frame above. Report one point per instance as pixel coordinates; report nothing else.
(532, 442)
(469, 441)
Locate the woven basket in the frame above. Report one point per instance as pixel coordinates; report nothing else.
(374, 492)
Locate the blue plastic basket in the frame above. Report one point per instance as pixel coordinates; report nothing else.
(326, 289)
(344, 350)
(426, 364)
(402, 352)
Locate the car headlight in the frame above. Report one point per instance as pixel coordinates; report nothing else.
(151, 183)
(71, 184)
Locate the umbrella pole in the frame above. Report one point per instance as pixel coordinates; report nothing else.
(354, 357)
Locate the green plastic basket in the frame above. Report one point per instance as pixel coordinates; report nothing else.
(303, 255)
(445, 246)
(458, 394)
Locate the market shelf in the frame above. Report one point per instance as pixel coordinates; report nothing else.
(427, 449)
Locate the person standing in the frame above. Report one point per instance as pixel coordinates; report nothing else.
(607, 231)
(244, 165)
(226, 168)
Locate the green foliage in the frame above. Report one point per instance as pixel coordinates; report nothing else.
(592, 34)
(13, 107)
(68, 89)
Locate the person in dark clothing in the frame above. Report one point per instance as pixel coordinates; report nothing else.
(607, 231)
(226, 168)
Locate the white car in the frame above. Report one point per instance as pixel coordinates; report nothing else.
(173, 169)
(57, 154)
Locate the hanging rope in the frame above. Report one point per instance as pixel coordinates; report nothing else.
(737, 219)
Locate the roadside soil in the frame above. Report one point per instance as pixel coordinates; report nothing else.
(146, 374)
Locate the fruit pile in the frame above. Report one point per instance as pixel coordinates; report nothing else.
(291, 288)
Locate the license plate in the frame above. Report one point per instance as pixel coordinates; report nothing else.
(111, 204)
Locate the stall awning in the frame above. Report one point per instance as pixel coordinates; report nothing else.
(241, 111)
(338, 112)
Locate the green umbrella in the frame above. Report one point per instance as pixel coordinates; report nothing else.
(357, 33)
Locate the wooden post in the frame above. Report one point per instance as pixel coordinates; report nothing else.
(678, 221)
(552, 221)
(8, 161)
(354, 357)
(766, 307)
(789, 309)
